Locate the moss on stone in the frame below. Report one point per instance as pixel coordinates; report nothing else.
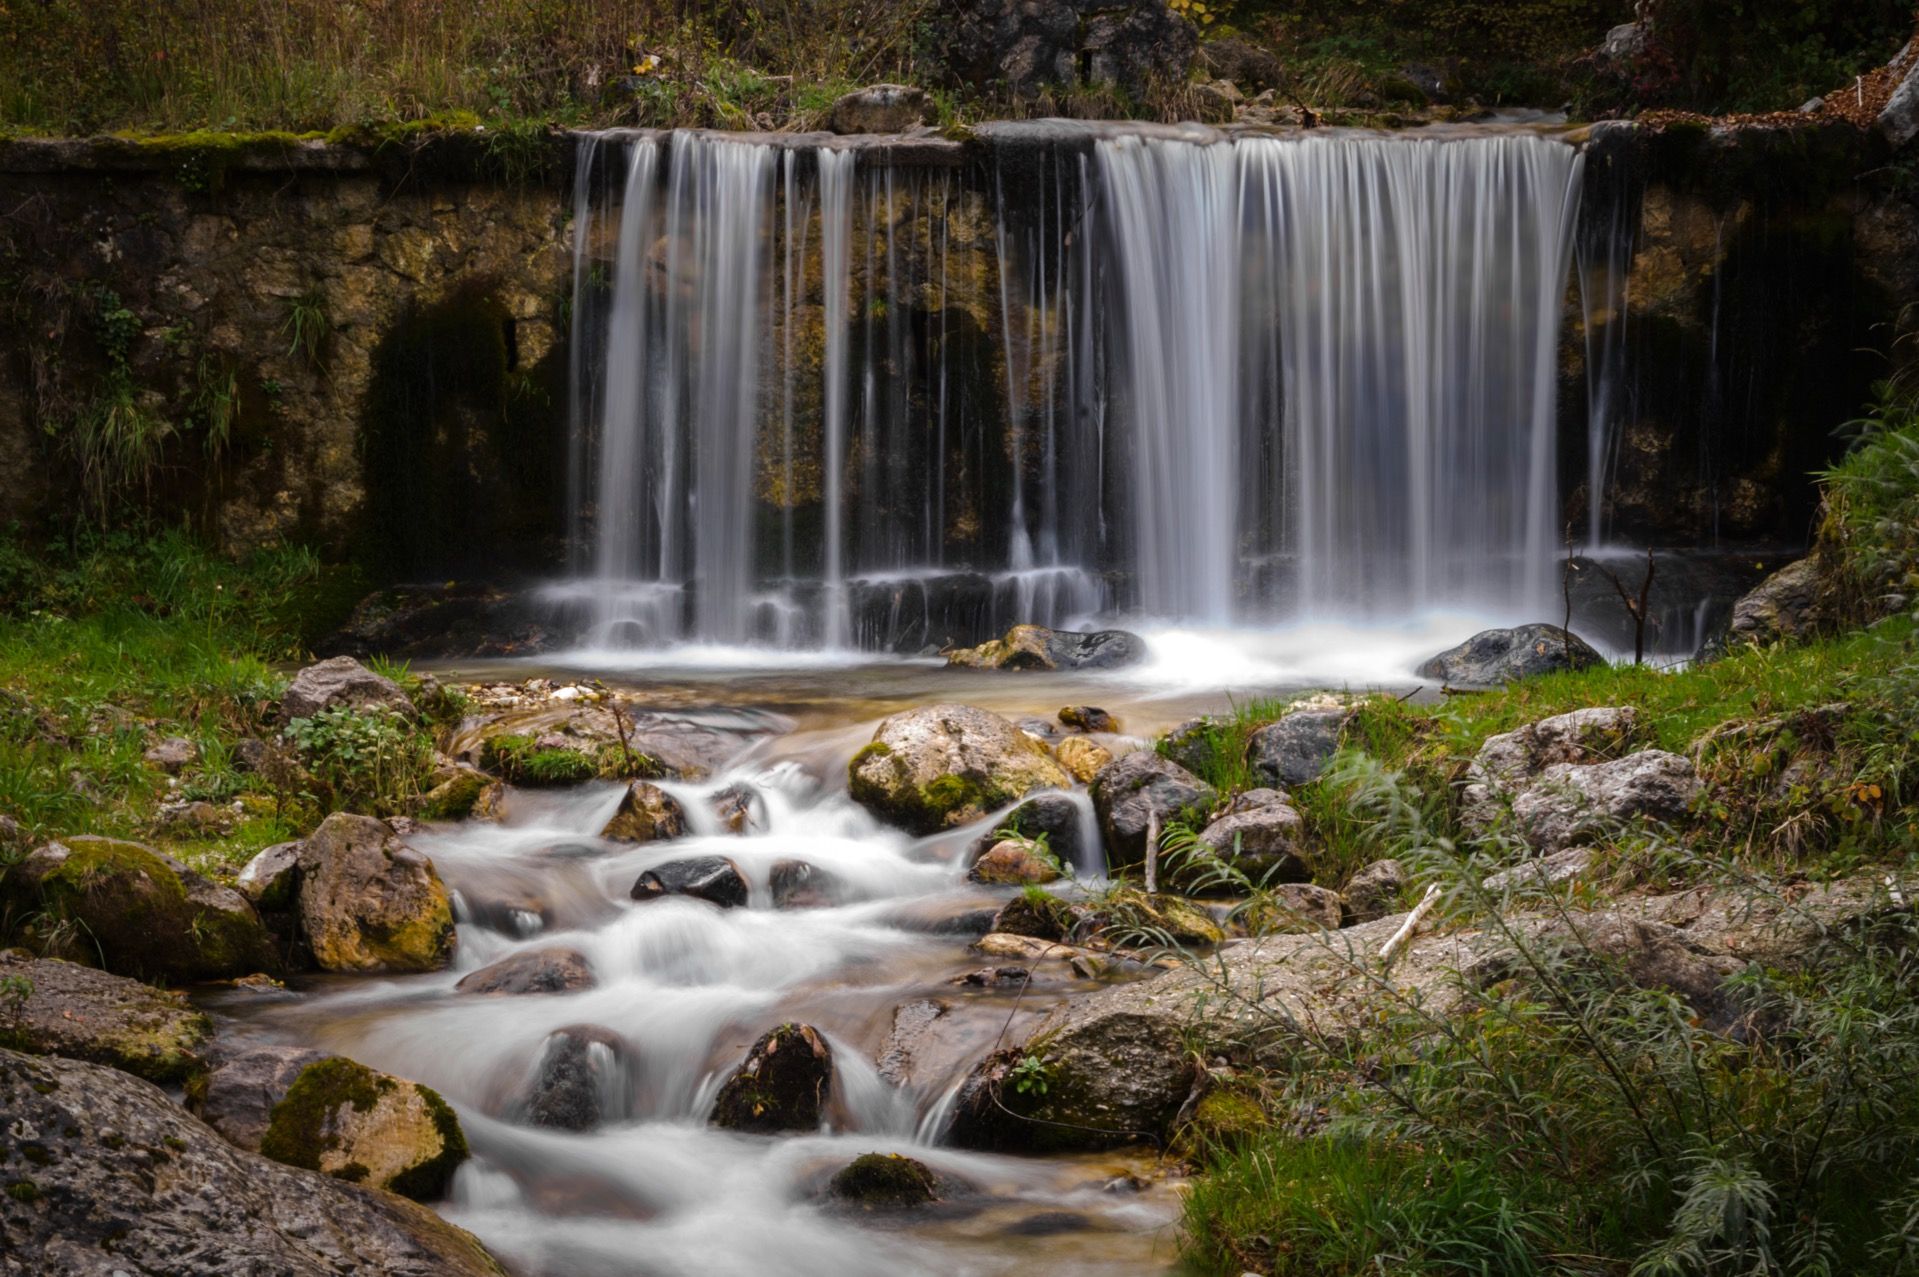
(884, 1180)
(1224, 1118)
(454, 799)
(430, 1180)
(24, 1191)
(298, 1131)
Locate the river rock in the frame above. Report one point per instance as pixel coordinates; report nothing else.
(1088, 718)
(1290, 908)
(369, 902)
(1265, 843)
(1375, 891)
(1571, 802)
(1784, 606)
(553, 970)
(714, 879)
(878, 108)
(948, 765)
(1012, 863)
(85, 1014)
(136, 911)
(1194, 745)
(173, 755)
(1037, 914)
(341, 1118)
(1051, 818)
(733, 806)
(341, 681)
(1034, 647)
(884, 1181)
(123, 1180)
(237, 1097)
(460, 792)
(1295, 749)
(1492, 658)
(795, 884)
(576, 1082)
(646, 813)
(1133, 791)
(782, 1086)
(1082, 757)
(913, 1026)
(1138, 919)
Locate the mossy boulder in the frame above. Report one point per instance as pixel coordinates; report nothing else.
(1132, 917)
(1224, 1119)
(1039, 914)
(343, 1119)
(646, 813)
(783, 1085)
(83, 1014)
(884, 1181)
(457, 795)
(236, 1097)
(942, 766)
(135, 911)
(369, 902)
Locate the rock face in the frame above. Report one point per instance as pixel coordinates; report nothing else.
(714, 879)
(1783, 606)
(878, 108)
(576, 1083)
(945, 765)
(1034, 647)
(89, 1015)
(1495, 657)
(1134, 790)
(1295, 749)
(1031, 48)
(646, 813)
(782, 1086)
(554, 970)
(237, 1097)
(142, 913)
(125, 1181)
(340, 681)
(368, 902)
(354, 1123)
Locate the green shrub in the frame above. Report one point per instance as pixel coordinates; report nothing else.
(371, 760)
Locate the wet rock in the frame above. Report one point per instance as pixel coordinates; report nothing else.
(1032, 949)
(1034, 647)
(995, 978)
(1264, 843)
(369, 902)
(646, 813)
(884, 1181)
(1049, 818)
(878, 108)
(341, 681)
(795, 884)
(135, 911)
(553, 970)
(1088, 718)
(1570, 802)
(912, 1024)
(782, 1086)
(128, 1181)
(947, 765)
(1082, 757)
(733, 806)
(237, 1097)
(346, 1120)
(84, 1014)
(1783, 606)
(1375, 891)
(1135, 790)
(575, 1084)
(655, 744)
(1044, 730)
(173, 755)
(1295, 749)
(1291, 908)
(271, 880)
(1038, 914)
(1492, 658)
(1014, 862)
(714, 879)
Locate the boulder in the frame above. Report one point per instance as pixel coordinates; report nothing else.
(136, 911)
(1195, 745)
(1250, 67)
(84, 1014)
(646, 813)
(948, 765)
(1375, 891)
(1581, 736)
(1783, 606)
(1050, 818)
(1898, 120)
(369, 902)
(271, 880)
(579, 1081)
(119, 1179)
(1082, 757)
(714, 879)
(1037, 914)
(1570, 802)
(460, 792)
(782, 1086)
(340, 681)
(794, 884)
(1031, 49)
(1088, 718)
(884, 1181)
(237, 1097)
(1034, 647)
(341, 1118)
(1134, 790)
(1492, 658)
(1013, 863)
(1295, 749)
(173, 755)
(1266, 843)
(552, 970)
(878, 108)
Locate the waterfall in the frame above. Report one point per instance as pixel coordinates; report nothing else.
(842, 403)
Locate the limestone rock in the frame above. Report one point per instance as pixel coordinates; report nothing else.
(552, 970)
(1295, 749)
(1580, 736)
(1082, 757)
(1783, 606)
(646, 813)
(128, 1181)
(946, 765)
(271, 880)
(1134, 790)
(1034, 647)
(237, 1097)
(369, 902)
(1495, 657)
(782, 1086)
(1547, 871)
(142, 913)
(1264, 843)
(85, 1014)
(579, 1080)
(878, 108)
(340, 680)
(1374, 891)
(1568, 801)
(1294, 907)
(344, 1119)
(714, 879)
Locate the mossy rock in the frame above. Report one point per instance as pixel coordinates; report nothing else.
(947, 765)
(346, 1120)
(884, 1181)
(135, 912)
(521, 760)
(783, 1084)
(1224, 1119)
(83, 1014)
(1127, 914)
(368, 902)
(1039, 914)
(456, 797)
